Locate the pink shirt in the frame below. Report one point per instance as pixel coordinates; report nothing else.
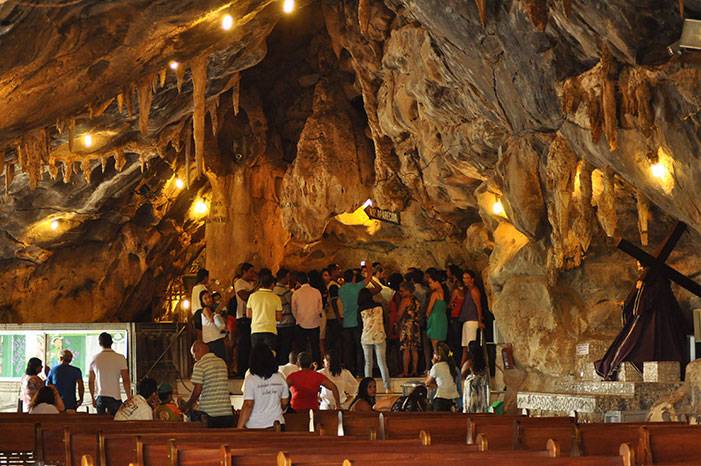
(307, 306)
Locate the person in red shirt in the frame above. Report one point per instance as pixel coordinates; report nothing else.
(306, 383)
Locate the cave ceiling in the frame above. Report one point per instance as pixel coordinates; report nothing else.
(435, 108)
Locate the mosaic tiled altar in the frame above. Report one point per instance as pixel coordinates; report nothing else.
(593, 399)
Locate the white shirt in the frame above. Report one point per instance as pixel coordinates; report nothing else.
(212, 328)
(43, 408)
(195, 303)
(347, 387)
(447, 389)
(266, 395)
(242, 285)
(107, 366)
(135, 408)
(287, 369)
(307, 306)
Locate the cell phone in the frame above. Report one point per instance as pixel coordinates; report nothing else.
(362, 263)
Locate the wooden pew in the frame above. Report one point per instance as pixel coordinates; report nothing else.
(669, 444)
(606, 439)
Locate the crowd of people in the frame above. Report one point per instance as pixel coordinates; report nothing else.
(301, 341)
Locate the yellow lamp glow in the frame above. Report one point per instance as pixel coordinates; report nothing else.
(288, 6)
(498, 208)
(185, 304)
(87, 140)
(658, 170)
(180, 184)
(173, 65)
(201, 208)
(227, 22)
(54, 225)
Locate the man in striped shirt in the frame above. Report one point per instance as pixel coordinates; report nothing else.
(211, 387)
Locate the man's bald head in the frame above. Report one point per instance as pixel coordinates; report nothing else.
(199, 349)
(66, 356)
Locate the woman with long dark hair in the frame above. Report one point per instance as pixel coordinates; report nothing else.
(265, 392)
(443, 375)
(409, 329)
(475, 394)
(365, 400)
(436, 311)
(345, 382)
(31, 383)
(373, 336)
(46, 401)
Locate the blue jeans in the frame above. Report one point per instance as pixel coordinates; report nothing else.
(380, 353)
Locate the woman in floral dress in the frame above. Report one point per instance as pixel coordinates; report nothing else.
(409, 330)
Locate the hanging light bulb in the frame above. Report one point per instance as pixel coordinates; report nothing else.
(173, 65)
(54, 225)
(227, 22)
(658, 170)
(288, 6)
(87, 140)
(498, 208)
(179, 183)
(201, 207)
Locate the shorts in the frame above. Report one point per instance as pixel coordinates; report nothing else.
(469, 331)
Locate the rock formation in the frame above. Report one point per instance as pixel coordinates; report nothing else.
(513, 137)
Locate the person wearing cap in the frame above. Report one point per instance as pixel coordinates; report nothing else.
(167, 410)
(66, 378)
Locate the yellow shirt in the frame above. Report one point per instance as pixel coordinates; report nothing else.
(263, 305)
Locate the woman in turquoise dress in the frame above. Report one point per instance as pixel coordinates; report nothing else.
(436, 311)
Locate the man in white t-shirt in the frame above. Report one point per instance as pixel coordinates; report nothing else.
(103, 379)
(200, 286)
(140, 406)
(291, 366)
(244, 287)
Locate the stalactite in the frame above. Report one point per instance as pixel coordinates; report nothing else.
(188, 155)
(572, 95)
(681, 8)
(213, 110)
(120, 159)
(636, 99)
(71, 134)
(67, 171)
(482, 8)
(9, 176)
(180, 76)
(2, 160)
(567, 6)
(145, 98)
(103, 163)
(53, 169)
(608, 97)
(59, 126)
(537, 12)
(199, 93)
(162, 78)
(643, 217)
(90, 111)
(364, 15)
(32, 154)
(102, 107)
(120, 102)
(154, 84)
(584, 197)
(606, 204)
(85, 168)
(142, 162)
(236, 92)
(128, 94)
(595, 117)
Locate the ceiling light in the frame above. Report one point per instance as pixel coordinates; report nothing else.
(201, 208)
(288, 6)
(87, 140)
(227, 22)
(498, 208)
(54, 225)
(367, 204)
(185, 304)
(173, 65)
(179, 183)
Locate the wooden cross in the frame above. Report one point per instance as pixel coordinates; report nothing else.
(657, 263)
